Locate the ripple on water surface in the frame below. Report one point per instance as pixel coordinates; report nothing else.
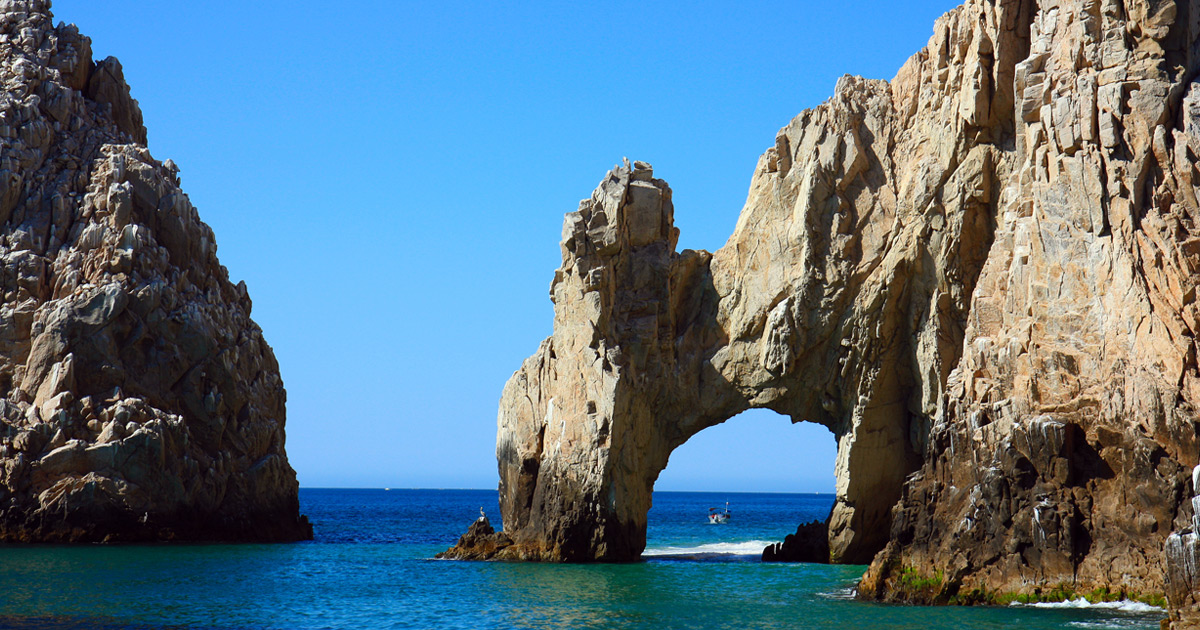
(370, 567)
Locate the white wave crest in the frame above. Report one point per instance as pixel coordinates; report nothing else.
(841, 593)
(747, 548)
(1110, 624)
(1124, 605)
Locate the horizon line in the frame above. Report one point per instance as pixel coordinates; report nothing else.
(388, 488)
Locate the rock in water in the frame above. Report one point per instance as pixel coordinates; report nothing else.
(981, 276)
(481, 542)
(141, 402)
(810, 543)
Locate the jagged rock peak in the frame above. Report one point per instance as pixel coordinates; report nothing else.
(140, 401)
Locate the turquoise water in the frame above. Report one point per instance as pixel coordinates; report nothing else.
(370, 567)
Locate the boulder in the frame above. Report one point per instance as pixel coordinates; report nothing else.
(481, 542)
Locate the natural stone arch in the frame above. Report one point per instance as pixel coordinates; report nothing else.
(1051, 391)
(841, 298)
(651, 347)
(812, 309)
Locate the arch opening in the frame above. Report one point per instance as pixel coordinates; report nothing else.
(770, 473)
(757, 450)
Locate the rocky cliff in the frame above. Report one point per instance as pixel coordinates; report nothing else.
(140, 402)
(981, 276)
(1059, 448)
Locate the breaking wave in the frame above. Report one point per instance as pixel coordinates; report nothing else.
(1123, 605)
(1110, 624)
(724, 551)
(846, 593)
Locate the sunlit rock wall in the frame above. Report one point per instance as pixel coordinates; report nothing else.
(140, 402)
(981, 276)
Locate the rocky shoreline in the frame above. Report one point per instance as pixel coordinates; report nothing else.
(981, 276)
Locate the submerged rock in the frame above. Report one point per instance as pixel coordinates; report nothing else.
(981, 276)
(140, 402)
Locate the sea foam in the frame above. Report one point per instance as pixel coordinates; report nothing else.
(1124, 605)
(846, 593)
(747, 548)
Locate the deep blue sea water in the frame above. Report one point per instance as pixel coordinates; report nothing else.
(371, 566)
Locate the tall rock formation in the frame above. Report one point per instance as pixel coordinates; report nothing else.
(1062, 446)
(981, 276)
(140, 402)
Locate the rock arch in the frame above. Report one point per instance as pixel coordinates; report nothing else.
(983, 272)
(841, 298)
(820, 323)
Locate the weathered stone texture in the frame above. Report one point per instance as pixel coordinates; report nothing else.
(140, 402)
(1062, 450)
(981, 276)
(481, 542)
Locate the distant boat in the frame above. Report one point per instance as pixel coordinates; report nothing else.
(716, 516)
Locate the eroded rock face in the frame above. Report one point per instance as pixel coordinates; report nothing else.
(840, 299)
(1061, 452)
(140, 401)
(981, 276)
(579, 440)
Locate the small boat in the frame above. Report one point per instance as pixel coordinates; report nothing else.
(716, 516)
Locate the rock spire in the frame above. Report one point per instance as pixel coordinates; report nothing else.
(140, 402)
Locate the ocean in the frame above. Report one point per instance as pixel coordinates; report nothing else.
(371, 566)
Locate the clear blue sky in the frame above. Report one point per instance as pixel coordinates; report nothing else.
(389, 178)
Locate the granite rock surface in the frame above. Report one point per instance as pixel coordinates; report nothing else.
(1060, 448)
(140, 401)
